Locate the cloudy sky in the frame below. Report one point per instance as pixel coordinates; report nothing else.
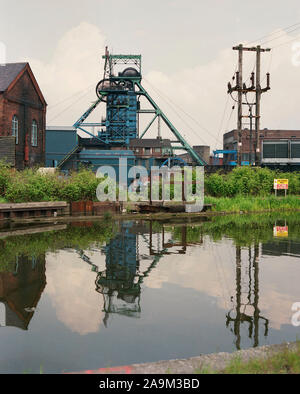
(186, 48)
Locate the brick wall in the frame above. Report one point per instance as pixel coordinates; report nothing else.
(24, 102)
(8, 150)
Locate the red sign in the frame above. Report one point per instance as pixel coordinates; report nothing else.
(281, 184)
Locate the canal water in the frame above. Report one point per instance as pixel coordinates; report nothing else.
(89, 295)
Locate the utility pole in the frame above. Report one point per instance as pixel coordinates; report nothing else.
(240, 103)
(242, 89)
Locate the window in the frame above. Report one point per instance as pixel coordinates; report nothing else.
(157, 150)
(275, 150)
(15, 128)
(147, 151)
(34, 137)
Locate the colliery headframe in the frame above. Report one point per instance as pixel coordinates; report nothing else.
(118, 133)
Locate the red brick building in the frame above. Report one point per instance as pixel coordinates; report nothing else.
(22, 115)
(274, 147)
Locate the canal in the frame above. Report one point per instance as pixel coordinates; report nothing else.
(88, 295)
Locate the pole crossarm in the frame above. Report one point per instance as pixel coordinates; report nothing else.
(242, 90)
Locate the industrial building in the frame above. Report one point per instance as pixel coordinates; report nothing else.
(202, 150)
(119, 134)
(276, 148)
(22, 117)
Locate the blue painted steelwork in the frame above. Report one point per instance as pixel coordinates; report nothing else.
(225, 152)
(173, 160)
(97, 158)
(121, 118)
(121, 94)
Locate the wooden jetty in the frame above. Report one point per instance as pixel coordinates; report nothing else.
(33, 209)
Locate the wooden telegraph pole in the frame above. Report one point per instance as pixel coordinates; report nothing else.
(242, 89)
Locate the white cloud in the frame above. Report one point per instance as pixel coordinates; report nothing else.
(199, 92)
(75, 66)
(71, 287)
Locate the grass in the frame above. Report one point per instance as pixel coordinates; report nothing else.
(253, 204)
(2, 200)
(283, 362)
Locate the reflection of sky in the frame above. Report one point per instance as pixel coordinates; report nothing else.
(71, 286)
(184, 302)
(209, 268)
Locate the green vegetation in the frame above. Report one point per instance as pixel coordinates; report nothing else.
(30, 185)
(75, 237)
(253, 204)
(245, 230)
(249, 189)
(283, 362)
(244, 189)
(249, 181)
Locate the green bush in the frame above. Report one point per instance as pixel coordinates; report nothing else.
(30, 185)
(5, 176)
(80, 185)
(248, 181)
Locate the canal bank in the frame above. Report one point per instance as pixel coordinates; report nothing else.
(216, 363)
(90, 211)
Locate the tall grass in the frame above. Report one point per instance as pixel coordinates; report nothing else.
(248, 181)
(253, 204)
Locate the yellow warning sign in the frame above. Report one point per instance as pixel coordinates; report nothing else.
(281, 184)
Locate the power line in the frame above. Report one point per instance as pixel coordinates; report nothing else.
(69, 106)
(172, 107)
(222, 120)
(69, 97)
(287, 42)
(176, 105)
(275, 38)
(270, 34)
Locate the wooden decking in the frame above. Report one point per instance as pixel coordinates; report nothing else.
(32, 209)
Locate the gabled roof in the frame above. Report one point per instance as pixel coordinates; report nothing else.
(8, 73)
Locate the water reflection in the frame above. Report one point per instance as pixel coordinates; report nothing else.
(98, 271)
(20, 290)
(247, 310)
(120, 283)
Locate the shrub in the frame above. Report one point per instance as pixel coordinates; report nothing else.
(5, 175)
(29, 185)
(249, 181)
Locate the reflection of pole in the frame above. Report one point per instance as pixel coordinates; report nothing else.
(237, 321)
(256, 295)
(241, 316)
